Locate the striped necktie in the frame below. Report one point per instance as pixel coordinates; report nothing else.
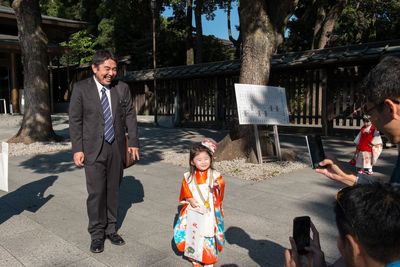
(108, 121)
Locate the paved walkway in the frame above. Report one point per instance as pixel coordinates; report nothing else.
(43, 218)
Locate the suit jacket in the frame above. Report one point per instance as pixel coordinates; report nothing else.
(86, 122)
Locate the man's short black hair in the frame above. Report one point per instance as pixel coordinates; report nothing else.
(102, 55)
(371, 213)
(382, 81)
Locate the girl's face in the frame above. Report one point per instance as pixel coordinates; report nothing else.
(201, 161)
(367, 123)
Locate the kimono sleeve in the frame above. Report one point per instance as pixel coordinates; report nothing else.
(220, 192)
(185, 192)
(376, 139)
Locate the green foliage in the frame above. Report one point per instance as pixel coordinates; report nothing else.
(5, 3)
(52, 8)
(367, 21)
(125, 27)
(360, 22)
(82, 47)
(215, 50)
(106, 33)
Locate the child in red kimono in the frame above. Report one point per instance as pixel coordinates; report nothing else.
(199, 231)
(369, 147)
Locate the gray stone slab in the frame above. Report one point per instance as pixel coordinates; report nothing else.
(41, 248)
(130, 254)
(7, 259)
(51, 228)
(137, 227)
(171, 262)
(14, 224)
(88, 262)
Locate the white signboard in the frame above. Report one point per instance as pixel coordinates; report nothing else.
(4, 167)
(259, 104)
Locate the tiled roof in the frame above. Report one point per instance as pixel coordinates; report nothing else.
(310, 58)
(66, 22)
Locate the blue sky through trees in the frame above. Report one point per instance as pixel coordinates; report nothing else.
(217, 27)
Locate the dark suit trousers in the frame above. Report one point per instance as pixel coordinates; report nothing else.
(102, 181)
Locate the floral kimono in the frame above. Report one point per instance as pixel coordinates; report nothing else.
(197, 187)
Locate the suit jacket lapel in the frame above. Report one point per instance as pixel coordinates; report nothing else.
(94, 94)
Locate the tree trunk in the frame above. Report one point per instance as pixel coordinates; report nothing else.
(318, 27)
(329, 23)
(189, 29)
(36, 123)
(237, 43)
(199, 32)
(262, 25)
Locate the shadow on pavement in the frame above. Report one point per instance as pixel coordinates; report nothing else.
(50, 163)
(28, 197)
(131, 192)
(262, 252)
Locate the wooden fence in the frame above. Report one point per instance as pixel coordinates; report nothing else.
(317, 97)
(321, 87)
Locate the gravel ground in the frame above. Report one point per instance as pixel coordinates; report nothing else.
(11, 123)
(237, 168)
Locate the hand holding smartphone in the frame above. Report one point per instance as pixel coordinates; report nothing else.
(315, 149)
(301, 233)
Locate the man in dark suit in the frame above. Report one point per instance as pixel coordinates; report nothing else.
(100, 113)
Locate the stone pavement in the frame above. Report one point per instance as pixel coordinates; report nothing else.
(43, 217)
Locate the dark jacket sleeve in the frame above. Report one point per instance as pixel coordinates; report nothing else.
(130, 118)
(76, 119)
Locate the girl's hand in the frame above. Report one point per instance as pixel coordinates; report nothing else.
(193, 202)
(215, 187)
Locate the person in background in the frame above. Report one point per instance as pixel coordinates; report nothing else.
(382, 103)
(368, 147)
(367, 219)
(100, 113)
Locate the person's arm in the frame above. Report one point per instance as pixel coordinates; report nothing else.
(131, 124)
(76, 126)
(334, 172)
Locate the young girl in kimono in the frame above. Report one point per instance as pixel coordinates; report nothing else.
(369, 147)
(199, 231)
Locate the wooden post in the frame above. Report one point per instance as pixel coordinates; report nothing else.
(258, 145)
(51, 85)
(177, 106)
(14, 86)
(323, 88)
(146, 99)
(277, 143)
(216, 103)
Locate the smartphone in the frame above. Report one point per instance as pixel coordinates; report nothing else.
(301, 233)
(315, 150)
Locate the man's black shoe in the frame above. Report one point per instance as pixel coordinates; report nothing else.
(116, 239)
(97, 245)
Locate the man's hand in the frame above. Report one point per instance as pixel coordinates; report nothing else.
(315, 256)
(334, 172)
(292, 258)
(134, 151)
(79, 159)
